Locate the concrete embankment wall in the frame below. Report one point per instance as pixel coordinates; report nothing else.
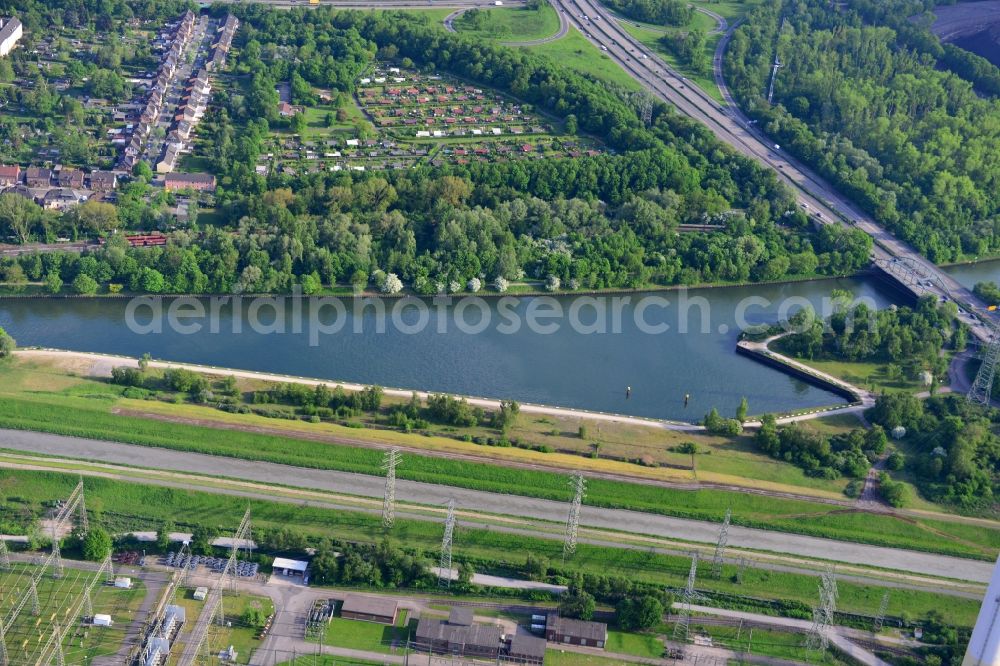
(814, 380)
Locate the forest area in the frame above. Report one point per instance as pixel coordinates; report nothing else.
(906, 126)
(606, 221)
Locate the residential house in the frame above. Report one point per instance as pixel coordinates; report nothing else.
(61, 198)
(10, 174)
(169, 159)
(103, 181)
(194, 181)
(37, 177)
(70, 178)
(10, 32)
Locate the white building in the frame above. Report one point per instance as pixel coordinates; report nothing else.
(10, 32)
(286, 567)
(984, 647)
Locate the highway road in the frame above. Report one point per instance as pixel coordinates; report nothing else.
(378, 4)
(633, 522)
(731, 126)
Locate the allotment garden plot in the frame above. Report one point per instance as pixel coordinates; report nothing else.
(430, 119)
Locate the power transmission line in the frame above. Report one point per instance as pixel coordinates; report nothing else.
(683, 625)
(444, 570)
(823, 614)
(880, 616)
(62, 518)
(213, 608)
(389, 462)
(720, 545)
(982, 387)
(579, 485)
(741, 570)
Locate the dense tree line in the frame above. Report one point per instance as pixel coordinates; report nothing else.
(908, 339)
(904, 136)
(820, 455)
(916, 34)
(661, 12)
(689, 47)
(377, 565)
(955, 451)
(103, 15)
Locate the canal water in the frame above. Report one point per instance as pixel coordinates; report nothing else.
(572, 366)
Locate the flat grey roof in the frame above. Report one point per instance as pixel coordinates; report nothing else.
(528, 646)
(485, 636)
(460, 615)
(596, 631)
(381, 606)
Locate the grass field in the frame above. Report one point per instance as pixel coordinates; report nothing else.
(28, 634)
(575, 52)
(240, 636)
(327, 660)
(606, 447)
(651, 39)
(768, 643)
(369, 636)
(70, 406)
(641, 645)
(557, 657)
(865, 374)
(510, 24)
(130, 506)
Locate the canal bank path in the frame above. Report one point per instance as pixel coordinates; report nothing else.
(100, 365)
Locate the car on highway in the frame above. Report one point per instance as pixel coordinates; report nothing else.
(603, 47)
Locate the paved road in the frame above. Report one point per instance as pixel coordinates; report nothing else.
(732, 127)
(376, 4)
(504, 524)
(428, 494)
(838, 636)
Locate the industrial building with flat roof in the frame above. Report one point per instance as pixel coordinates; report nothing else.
(526, 649)
(575, 632)
(435, 635)
(370, 609)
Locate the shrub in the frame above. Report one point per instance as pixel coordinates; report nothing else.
(127, 376)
